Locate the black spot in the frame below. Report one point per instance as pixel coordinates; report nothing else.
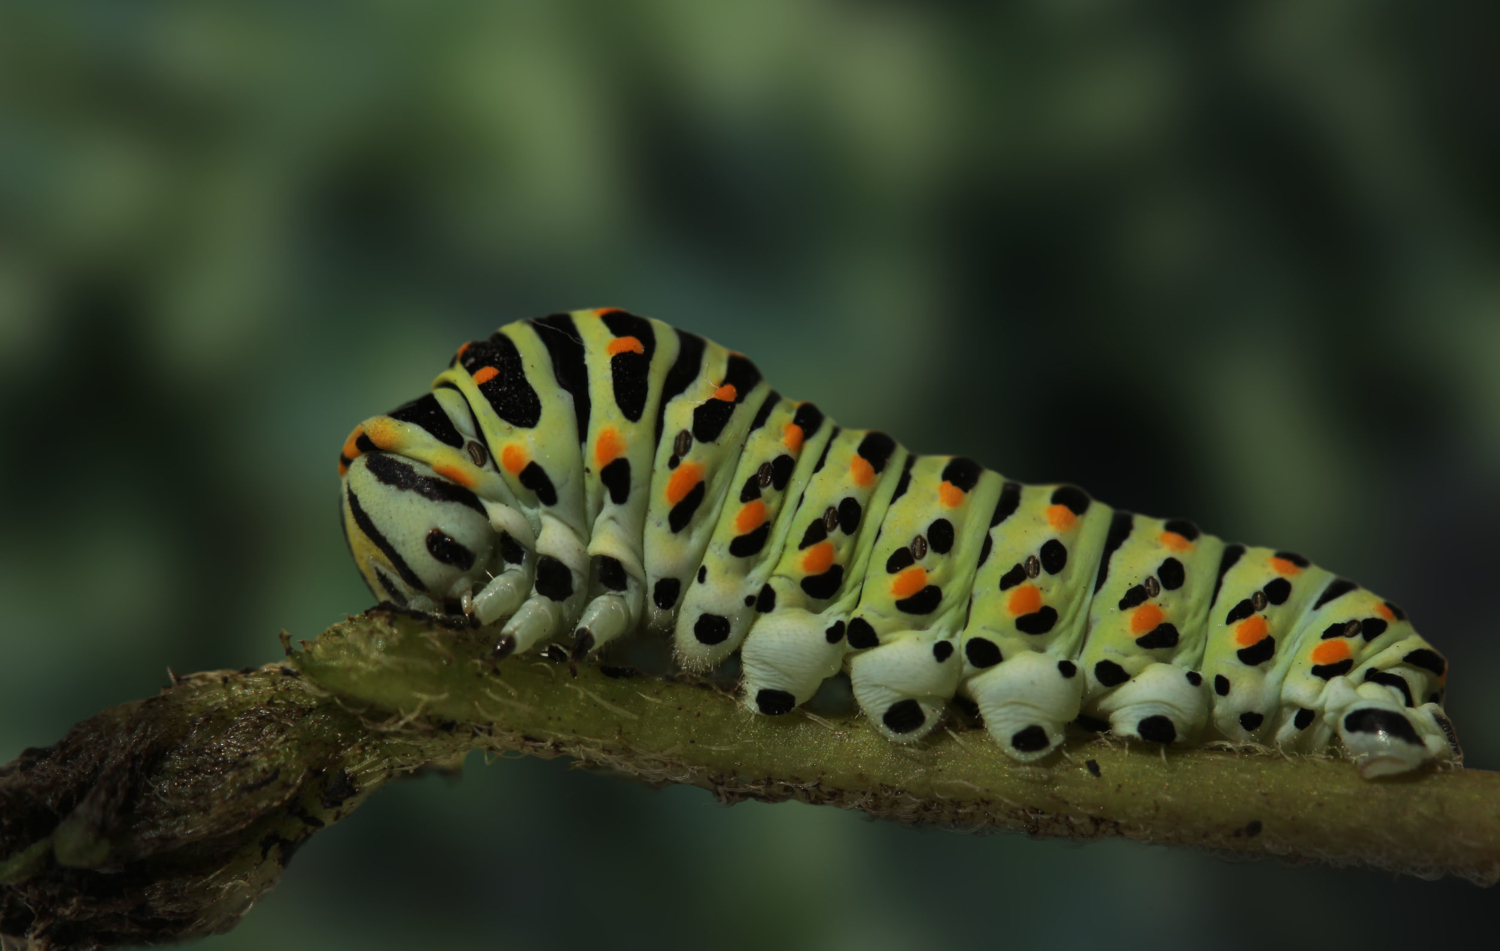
(774, 703)
(616, 478)
(1396, 612)
(1109, 673)
(1013, 577)
(446, 549)
(876, 449)
(1221, 685)
(1378, 721)
(1251, 720)
(1073, 497)
(367, 526)
(824, 586)
(1257, 653)
(942, 650)
(1156, 729)
(750, 543)
(711, 629)
(1340, 629)
(1010, 500)
(1294, 558)
(710, 418)
(765, 602)
(1427, 660)
(750, 491)
(1030, 740)
(631, 372)
(1330, 671)
(816, 532)
(823, 459)
(849, 515)
(1195, 678)
(1391, 680)
(1067, 668)
(781, 471)
(981, 652)
(1337, 588)
(835, 632)
(809, 418)
(611, 573)
(861, 634)
(388, 470)
(684, 371)
(682, 513)
(904, 482)
(427, 414)
(1134, 597)
(1119, 529)
(1161, 636)
(749, 600)
(1037, 622)
(1231, 555)
(940, 536)
(1183, 527)
(1239, 612)
(664, 595)
(1054, 556)
(560, 336)
(904, 716)
(984, 550)
(553, 579)
(764, 413)
(900, 560)
(923, 602)
(511, 551)
(1278, 590)
(1092, 766)
(962, 473)
(1372, 627)
(1171, 574)
(702, 573)
(509, 392)
(534, 477)
(1304, 718)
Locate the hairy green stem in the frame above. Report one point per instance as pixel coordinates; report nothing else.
(167, 818)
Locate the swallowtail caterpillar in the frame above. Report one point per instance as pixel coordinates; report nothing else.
(586, 476)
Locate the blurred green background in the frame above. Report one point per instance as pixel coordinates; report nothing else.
(1236, 262)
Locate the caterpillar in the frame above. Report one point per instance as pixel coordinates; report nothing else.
(583, 476)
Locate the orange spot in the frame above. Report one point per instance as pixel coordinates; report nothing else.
(513, 458)
(861, 471)
(1143, 620)
(727, 393)
(1331, 652)
(457, 474)
(621, 345)
(601, 311)
(792, 437)
(350, 450)
(909, 582)
(1027, 599)
(1060, 517)
(1385, 612)
(1283, 567)
(818, 558)
(343, 468)
(608, 447)
(750, 517)
(463, 348)
(1174, 541)
(950, 495)
(485, 374)
(684, 477)
(1252, 630)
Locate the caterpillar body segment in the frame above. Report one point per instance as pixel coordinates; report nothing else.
(586, 476)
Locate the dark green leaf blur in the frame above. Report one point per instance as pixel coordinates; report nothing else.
(1233, 262)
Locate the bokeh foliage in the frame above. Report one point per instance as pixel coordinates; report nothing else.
(1236, 262)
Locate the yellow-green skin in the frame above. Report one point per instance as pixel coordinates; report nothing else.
(591, 475)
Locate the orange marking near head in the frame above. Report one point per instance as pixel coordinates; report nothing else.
(1252, 630)
(1143, 620)
(792, 437)
(1283, 567)
(861, 471)
(684, 477)
(513, 458)
(818, 558)
(1174, 541)
(950, 495)
(909, 582)
(485, 374)
(350, 450)
(1331, 652)
(463, 348)
(457, 473)
(1385, 612)
(750, 517)
(1027, 599)
(727, 393)
(621, 345)
(608, 447)
(1060, 517)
